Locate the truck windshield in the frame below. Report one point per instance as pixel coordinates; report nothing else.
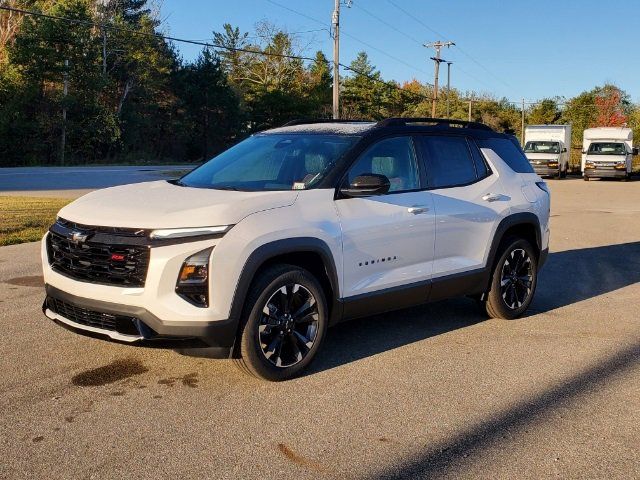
(271, 162)
(542, 147)
(607, 149)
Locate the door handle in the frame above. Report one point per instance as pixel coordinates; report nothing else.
(417, 209)
(491, 197)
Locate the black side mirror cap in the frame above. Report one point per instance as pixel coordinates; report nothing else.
(564, 150)
(367, 185)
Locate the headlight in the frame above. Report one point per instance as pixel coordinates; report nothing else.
(166, 233)
(193, 279)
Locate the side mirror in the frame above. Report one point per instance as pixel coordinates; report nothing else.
(584, 152)
(366, 185)
(564, 150)
(634, 151)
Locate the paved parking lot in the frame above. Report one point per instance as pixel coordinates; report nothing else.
(436, 391)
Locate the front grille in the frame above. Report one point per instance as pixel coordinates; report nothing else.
(121, 232)
(105, 321)
(90, 261)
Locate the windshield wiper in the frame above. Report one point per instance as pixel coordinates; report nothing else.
(226, 187)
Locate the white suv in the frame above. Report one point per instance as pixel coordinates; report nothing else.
(255, 253)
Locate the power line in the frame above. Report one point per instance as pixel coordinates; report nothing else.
(384, 22)
(154, 35)
(416, 19)
(464, 52)
(366, 44)
(204, 44)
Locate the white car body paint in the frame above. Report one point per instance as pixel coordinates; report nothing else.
(376, 243)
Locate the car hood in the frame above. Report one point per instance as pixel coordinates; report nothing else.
(162, 204)
(605, 158)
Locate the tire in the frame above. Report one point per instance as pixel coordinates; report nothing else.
(563, 173)
(274, 346)
(511, 291)
(585, 178)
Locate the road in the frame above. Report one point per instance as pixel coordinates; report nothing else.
(75, 181)
(431, 392)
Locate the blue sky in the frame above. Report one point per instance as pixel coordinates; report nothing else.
(515, 49)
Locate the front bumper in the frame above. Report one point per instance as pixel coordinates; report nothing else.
(604, 172)
(546, 171)
(137, 326)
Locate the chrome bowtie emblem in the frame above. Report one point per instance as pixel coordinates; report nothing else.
(78, 237)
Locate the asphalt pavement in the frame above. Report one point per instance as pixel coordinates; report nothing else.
(75, 181)
(437, 391)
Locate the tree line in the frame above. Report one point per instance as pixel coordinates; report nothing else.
(101, 86)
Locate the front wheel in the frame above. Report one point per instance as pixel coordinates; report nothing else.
(514, 280)
(284, 323)
(563, 172)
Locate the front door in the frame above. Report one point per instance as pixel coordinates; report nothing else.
(388, 239)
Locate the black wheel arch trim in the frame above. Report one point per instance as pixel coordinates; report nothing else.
(268, 251)
(514, 220)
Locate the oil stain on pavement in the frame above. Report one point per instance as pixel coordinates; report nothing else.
(30, 281)
(113, 372)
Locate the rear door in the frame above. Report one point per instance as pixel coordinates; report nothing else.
(469, 202)
(388, 240)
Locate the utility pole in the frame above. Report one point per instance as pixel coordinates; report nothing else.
(104, 51)
(448, 85)
(438, 47)
(335, 20)
(470, 102)
(522, 131)
(65, 89)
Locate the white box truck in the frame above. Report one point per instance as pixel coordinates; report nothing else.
(607, 152)
(547, 148)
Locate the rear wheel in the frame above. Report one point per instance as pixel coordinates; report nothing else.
(284, 323)
(514, 280)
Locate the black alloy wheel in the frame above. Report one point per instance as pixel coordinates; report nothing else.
(516, 279)
(289, 325)
(284, 322)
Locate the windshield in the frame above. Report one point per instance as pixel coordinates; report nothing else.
(607, 149)
(272, 162)
(542, 147)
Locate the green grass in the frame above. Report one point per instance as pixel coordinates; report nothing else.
(25, 219)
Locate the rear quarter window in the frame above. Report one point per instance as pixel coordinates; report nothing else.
(509, 152)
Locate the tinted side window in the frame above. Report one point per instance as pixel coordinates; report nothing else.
(448, 161)
(392, 157)
(508, 151)
(481, 165)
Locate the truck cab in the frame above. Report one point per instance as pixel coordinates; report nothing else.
(608, 153)
(547, 149)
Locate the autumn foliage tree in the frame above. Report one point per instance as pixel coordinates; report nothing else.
(611, 104)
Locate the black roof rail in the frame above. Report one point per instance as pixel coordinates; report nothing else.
(305, 121)
(443, 122)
